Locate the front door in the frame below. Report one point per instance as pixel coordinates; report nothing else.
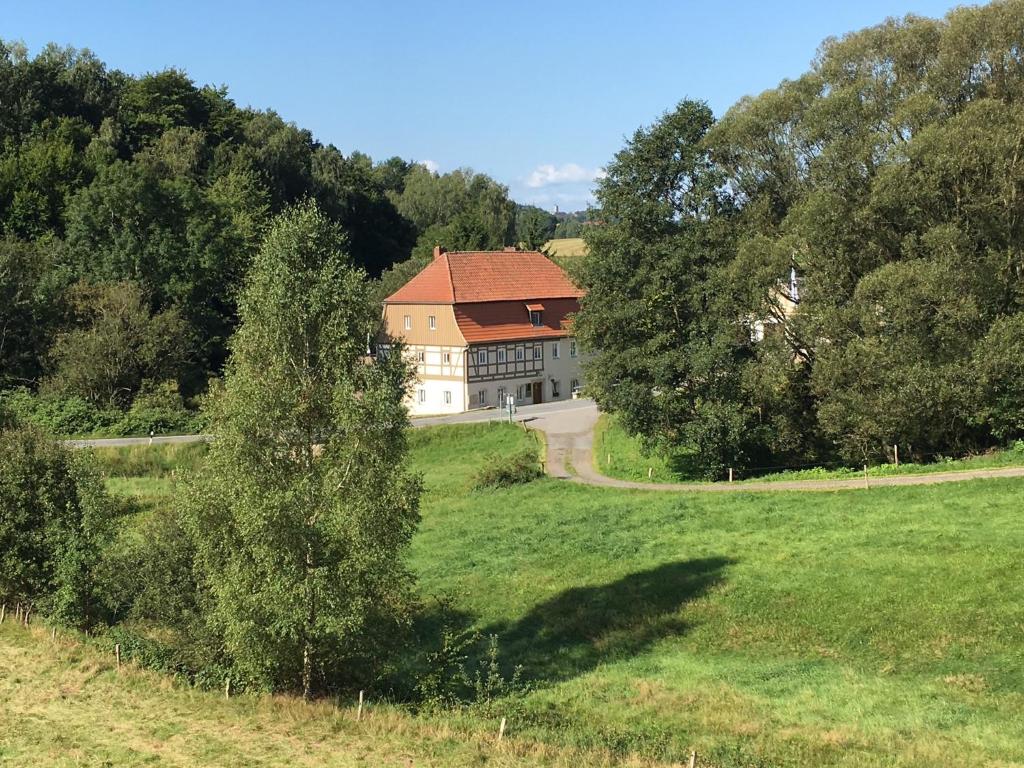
(538, 392)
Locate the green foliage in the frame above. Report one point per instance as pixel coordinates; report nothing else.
(534, 226)
(61, 416)
(302, 509)
(118, 346)
(999, 368)
(30, 310)
(824, 272)
(54, 519)
(657, 313)
(504, 470)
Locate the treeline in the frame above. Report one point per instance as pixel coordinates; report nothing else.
(834, 267)
(130, 208)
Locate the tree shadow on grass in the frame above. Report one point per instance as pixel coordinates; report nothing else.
(582, 627)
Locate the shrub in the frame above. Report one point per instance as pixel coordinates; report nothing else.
(55, 517)
(157, 409)
(58, 415)
(505, 471)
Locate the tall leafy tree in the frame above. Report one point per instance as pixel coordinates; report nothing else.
(304, 507)
(657, 316)
(534, 226)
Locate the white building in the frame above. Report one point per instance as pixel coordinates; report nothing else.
(482, 325)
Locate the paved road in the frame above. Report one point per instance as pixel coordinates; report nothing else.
(570, 441)
(126, 442)
(568, 427)
(526, 413)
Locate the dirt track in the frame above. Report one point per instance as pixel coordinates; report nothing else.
(570, 440)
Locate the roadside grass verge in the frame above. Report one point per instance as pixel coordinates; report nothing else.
(853, 628)
(624, 457)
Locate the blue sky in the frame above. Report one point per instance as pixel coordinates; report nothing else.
(539, 95)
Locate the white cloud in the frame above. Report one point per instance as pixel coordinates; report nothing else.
(569, 173)
(430, 165)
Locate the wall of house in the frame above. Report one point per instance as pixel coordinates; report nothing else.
(439, 370)
(446, 333)
(564, 369)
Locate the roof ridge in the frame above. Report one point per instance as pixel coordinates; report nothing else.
(448, 271)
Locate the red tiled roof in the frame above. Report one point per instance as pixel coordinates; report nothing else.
(475, 276)
(507, 320)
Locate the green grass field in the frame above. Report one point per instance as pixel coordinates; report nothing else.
(619, 455)
(853, 628)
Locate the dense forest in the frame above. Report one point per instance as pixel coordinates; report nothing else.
(130, 208)
(880, 196)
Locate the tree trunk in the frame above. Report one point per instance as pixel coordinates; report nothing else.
(307, 645)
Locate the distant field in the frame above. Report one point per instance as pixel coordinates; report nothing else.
(856, 628)
(566, 248)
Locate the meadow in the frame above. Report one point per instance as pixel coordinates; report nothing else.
(566, 249)
(851, 628)
(620, 455)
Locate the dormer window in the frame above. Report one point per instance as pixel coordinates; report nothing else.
(536, 314)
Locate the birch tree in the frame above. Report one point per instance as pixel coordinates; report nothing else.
(304, 508)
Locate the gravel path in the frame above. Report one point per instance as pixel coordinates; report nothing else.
(570, 441)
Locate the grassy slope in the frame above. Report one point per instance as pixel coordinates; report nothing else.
(619, 455)
(859, 628)
(65, 705)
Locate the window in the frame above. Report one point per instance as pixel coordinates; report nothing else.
(574, 385)
(538, 352)
(481, 357)
(501, 355)
(501, 397)
(447, 397)
(408, 323)
(535, 319)
(432, 323)
(556, 389)
(481, 397)
(520, 353)
(572, 348)
(555, 351)
(421, 357)
(446, 358)
(423, 395)
(383, 350)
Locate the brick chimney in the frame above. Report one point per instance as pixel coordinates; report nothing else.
(438, 250)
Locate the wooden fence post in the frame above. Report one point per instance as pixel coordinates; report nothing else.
(117, 654)
(359, 711)
(867, 484)
(693, 760)
(3, 612)
(650, 472)
(730, 474)
(896, 453)
(501, 730)
(227, 687)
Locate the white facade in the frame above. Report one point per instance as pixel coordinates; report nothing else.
(458, 379)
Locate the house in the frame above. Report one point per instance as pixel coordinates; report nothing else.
(482, 325)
